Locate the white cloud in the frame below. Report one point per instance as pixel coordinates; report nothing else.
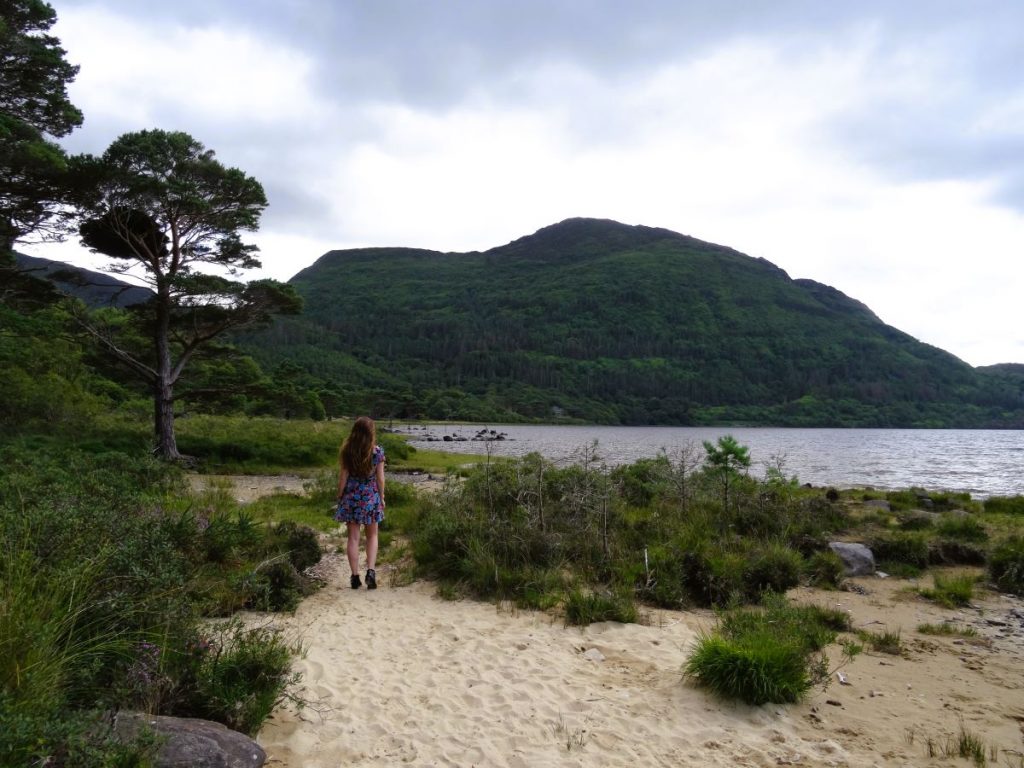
(138, 73)
(853, 154)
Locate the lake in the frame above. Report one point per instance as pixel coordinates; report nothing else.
(981, 462)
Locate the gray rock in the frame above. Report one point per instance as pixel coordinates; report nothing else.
(879, 503)
(857, 559)
(191, 743)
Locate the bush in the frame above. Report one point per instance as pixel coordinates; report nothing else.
(1005, 505)
(237, 677)
(962, 528)
(714, 576)
(952, 591)
(956, 553)
(301, 542)
(757, 669)
(767, 654)
(583, 608)
(1006, 566)
(901, 548)
(277, 586)
(824, 569)
(775, 568)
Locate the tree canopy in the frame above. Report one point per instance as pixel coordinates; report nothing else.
(34, 104)
(161, 201)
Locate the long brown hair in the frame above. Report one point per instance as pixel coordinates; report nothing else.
(356, 453)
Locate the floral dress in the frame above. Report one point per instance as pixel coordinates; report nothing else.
(360, 501)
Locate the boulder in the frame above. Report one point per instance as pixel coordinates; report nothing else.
(857, 559)
(879, 503)
(192, 743)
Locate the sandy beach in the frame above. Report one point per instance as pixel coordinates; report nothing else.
(402, 677)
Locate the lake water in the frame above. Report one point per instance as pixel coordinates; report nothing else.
(981, 462)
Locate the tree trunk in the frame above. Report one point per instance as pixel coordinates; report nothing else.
(163, 419)
(163, 389)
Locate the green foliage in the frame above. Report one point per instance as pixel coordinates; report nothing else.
(1005, 505)
(824, 569)
(159, 200)
(34, 104)
(1006, 565)
(772, 568)
(597, 321)
(238, 676)
(947, 629)
(583, 608)
(962, 528)
(755, 669)
(259, 444)
(103, 578)
(766, 654)
(909, 549)
(886, 641)
(951, 591)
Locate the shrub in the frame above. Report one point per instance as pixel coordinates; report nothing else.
(956, 553)
(1005, 505)
(301, 542)
(774, 568)
(962, 528)
(766, 654)
(824, 569)
(1006, 565)
(713, 575)
(756, 669)
(902, 548)
(947, 629)
(666, 587)
(276, 586)
(918, 522)
(583, 608)
(238, 677)
(885, 641)
(641, 481)
(952, 591)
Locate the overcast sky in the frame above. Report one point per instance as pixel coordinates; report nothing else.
(874, 146)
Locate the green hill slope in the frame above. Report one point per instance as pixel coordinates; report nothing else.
(595, 320)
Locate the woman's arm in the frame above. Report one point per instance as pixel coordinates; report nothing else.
(342, 480)
(380, 480)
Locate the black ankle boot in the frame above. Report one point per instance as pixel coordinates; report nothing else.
(356, 583)
(371, 579)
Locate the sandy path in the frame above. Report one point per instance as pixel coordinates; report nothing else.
(402, 677)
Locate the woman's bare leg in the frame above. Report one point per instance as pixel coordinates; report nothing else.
(371, 546)
(353, 548)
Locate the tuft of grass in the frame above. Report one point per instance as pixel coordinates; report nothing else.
(1005, 505)
(962, 528)
(951, 591)
(948, 630)
(824, 570)
(766, 654)
(1006, 565)
(756, 669)
(583, 608)
(885, 641)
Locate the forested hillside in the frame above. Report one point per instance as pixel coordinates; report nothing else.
(599, 321)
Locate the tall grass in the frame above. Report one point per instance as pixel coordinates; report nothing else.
(105, 574)
(767, 654)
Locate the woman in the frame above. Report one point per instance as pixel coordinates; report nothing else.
(361, 495)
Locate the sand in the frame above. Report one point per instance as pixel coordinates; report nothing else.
(401, 677)
(398, 676)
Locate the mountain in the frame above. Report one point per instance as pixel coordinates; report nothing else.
(94, 288)
(599, 321)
